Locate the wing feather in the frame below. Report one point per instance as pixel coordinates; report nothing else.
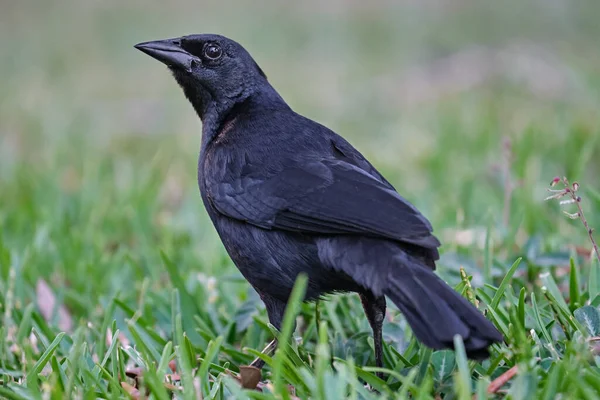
(324, 197)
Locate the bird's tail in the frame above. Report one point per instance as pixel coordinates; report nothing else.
(436, 312)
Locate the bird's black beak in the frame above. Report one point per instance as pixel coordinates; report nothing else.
(169, 52)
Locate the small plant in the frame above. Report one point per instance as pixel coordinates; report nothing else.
(570, 191)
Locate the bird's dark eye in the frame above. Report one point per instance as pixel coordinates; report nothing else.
(213, 51)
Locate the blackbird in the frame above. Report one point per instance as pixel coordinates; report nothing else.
(289, 196)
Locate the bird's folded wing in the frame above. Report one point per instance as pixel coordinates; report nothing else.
(322, 197)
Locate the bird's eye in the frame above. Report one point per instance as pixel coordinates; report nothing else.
(213, 51)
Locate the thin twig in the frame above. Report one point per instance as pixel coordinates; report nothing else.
(589, 230)
(571, 191)
(501, 380)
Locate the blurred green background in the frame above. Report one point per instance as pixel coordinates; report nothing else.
(469, 108)
(427, 90)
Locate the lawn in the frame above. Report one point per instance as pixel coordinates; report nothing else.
(114, 284)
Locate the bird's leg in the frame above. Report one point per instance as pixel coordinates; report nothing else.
(375, 310)
(275, 310)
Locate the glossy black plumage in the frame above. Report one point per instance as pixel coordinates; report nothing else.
(288, 196)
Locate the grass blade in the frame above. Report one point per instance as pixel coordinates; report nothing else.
(574, 291)
(45, 358)
(504, 283)
(289, 321)
(463, 377)
(211, 352)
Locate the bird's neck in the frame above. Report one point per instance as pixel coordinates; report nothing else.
(216, 114)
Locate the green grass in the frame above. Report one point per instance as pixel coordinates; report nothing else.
(110, 268)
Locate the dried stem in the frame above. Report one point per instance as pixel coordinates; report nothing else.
(501, 380)
(571, 192)
(589, 230)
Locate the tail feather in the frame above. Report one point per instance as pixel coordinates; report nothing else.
(436, 312)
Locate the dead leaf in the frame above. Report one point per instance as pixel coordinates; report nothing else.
(173, 365)
(46, 302)
(131, 391)
(249, 376)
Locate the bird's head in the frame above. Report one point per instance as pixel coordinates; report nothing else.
(214, 71)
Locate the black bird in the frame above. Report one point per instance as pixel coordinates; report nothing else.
(289, 196)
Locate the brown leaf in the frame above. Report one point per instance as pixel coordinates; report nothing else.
(46, 302)
(249, 376)
(258, 386)
(131, 391)
(173, 365)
